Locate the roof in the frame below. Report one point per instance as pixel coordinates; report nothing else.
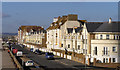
(111, 27)
(63, 19)
(28, 28)
(77, 30)
(91, 27)
(103, 27)
(56, 25)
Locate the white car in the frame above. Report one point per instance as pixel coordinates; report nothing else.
(19, 53)
(29, 63)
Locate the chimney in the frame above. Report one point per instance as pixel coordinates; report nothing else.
(110, 20)
(72, 17)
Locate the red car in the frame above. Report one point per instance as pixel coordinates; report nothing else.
(15, 51)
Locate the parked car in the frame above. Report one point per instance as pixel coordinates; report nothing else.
(49, 55)
(12, 48)
(31, 49)
(29, 63)
(22, 46)
(15, 51)
(37, 51)
(26, 61)
(19, 53)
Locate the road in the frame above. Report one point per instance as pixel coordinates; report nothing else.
(57, 63)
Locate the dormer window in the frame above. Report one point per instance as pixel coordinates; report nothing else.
(60, 23)
(107, 36)
(101, 36)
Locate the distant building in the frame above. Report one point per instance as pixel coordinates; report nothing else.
(32, 35)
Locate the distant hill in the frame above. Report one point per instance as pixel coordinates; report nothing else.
(9, 33)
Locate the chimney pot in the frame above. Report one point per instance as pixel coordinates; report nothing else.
(110, 20)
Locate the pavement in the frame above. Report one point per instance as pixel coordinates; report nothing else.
(7, 62)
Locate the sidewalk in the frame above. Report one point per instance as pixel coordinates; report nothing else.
(7, 62)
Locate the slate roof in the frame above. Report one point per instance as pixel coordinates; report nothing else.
(106, 27)
(103, 27)
(91, 27)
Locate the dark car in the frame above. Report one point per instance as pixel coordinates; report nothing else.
(12, 48)
(22, 45)
(38, 51)
(49, 55)
(31, 49)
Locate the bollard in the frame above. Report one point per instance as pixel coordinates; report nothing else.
(88, 61)
(94, 63)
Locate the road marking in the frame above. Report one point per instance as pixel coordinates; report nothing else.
(61, 62)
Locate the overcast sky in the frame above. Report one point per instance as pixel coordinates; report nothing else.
(16, 14)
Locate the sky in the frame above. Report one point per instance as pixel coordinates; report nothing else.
(60, 0)
(15, 14)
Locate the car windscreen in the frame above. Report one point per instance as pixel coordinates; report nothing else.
(13, 48)
(30, 61)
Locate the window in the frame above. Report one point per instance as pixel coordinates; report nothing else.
(103, 60)
(118, 37)
(61, 45)
(100, 36)
(95, 52)
(114, 49)
(105, 51)
(114, 60)
(97, 36)
(78, 47)
(114, 37)
(68, 45)
(107, 36)
(106, 60)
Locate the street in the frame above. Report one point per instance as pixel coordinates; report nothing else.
(42, 61)
(58, 62)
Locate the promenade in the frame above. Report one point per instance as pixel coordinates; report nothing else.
(7, 62)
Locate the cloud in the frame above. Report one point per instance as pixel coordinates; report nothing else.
(5, 15)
